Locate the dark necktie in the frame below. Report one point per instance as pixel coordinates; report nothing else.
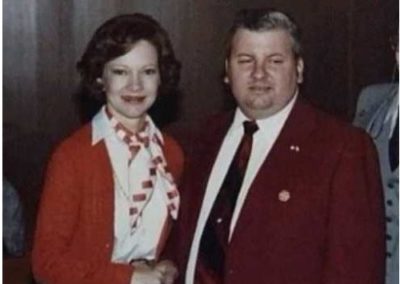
(214, 240)
(394, 147)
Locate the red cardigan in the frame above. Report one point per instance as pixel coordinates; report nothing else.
(74, 234)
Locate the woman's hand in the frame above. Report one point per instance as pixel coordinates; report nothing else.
(169, 271)
(163, 272)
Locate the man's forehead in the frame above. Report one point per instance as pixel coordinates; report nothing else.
(241, 32)
(263, 39)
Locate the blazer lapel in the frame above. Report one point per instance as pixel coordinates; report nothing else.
(375, 126)
(202, 162)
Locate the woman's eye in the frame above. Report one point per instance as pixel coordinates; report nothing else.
(150, 71)
(119, 72)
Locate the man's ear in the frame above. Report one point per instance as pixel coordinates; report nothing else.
(226, 79)
(300, 70)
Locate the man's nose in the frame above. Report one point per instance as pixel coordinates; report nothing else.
(259, 71)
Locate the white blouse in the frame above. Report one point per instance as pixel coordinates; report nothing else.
(142, 241)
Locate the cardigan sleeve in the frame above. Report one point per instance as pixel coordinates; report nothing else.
(176, 160)
(174, 156)
(56, 258)
(356, 246)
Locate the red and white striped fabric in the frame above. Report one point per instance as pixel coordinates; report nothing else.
(157, 177)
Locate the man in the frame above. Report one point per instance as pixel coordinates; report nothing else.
(378, 113)
(308, 206)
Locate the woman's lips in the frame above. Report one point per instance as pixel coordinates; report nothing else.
(133, 99)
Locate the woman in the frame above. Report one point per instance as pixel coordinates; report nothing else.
(110, 194)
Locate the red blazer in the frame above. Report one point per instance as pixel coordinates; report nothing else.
(331, 230)
(75, 226)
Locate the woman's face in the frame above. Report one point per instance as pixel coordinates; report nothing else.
(131, 83)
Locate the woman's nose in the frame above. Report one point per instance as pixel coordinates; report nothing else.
(135, 83)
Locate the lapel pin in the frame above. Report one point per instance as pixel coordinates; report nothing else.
(284, 195)
(295, 148)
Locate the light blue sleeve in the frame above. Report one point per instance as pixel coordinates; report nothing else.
(13, 221)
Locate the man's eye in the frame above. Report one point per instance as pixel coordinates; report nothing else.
(277, 61)
(119, 72)
(244, 61)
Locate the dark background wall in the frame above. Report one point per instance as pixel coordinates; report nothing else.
(346, 47)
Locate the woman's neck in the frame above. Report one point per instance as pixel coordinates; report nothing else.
(132, 124)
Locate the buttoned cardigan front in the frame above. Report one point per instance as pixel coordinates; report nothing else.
(74, 236)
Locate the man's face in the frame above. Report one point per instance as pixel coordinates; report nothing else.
(262, 71)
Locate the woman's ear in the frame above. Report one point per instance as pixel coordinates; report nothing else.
(100, 82)
(226, 78)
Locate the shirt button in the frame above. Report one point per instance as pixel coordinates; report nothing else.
(389, 202)
(390, 185)
(388, 237)
(388, 219)
(388, 255)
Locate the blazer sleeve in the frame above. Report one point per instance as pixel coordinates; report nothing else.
(356, 247)
(55, 259)
(368, 101)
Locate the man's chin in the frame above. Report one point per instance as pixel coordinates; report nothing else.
(260, 104)
(258, 111)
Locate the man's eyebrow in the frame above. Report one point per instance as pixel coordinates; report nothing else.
(243, 54)
(276, 54)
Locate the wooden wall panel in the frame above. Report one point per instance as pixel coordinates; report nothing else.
(21, 164)
(372, 58)
(207, 24)
(55, 68)
(19, 65)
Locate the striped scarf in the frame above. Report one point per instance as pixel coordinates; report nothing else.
(158, 176)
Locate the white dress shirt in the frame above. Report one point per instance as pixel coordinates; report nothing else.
(142, 243)
(263, 140)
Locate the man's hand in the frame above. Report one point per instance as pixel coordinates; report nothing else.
(163, 272)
